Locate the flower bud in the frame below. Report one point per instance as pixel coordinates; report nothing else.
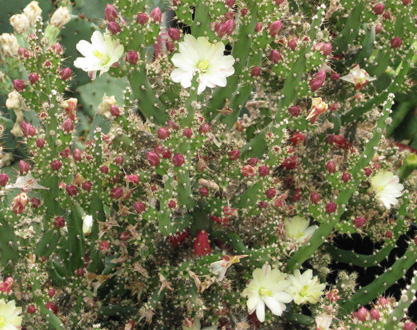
(387, 15)
(68, 125)
(292, 44)
(33, 78)
(24, 167)
(187, 132)
(230, 3)
(234, 154)
(19, 85)
(275, 27)
(174, 34)
(110, 13)
(40, 143)
(76, 154)
(51, 293)
(114, 110)
(359, 222)
(104, 246)
(153, 158)
(258, 27)
(28, 129)
(172, 204)
(334, 76)
(57, 48)
(248, 171)
(378, 9)
(71, 190)
(35, 203)
(406, 2)
(79, 272)
(156, 14)
(362, 314)
(367, 171)
(56, 165)
(52, 307)
(275, 56)
(31, 309)
(132, 178)
(178, 160)
(331, 167)
(315, 197)
(142, 19)
(116, 193)
(326, 49)
(114, 27)
(104, 169)
(201, 245)
(204, 128)
(87, 185)
(252, 161)
(4, 178)
(140, 207)
(60, 17)
(346, 177)
(65, 74)
(294, 111)
(163, 133)
(395, 43)
(263, 170)
(271, 193)
(409, 325)
(331, 207)
(19, 203)
(255, 71)
(20, 23)
(318, 80)
(132, 57)
(204, 191)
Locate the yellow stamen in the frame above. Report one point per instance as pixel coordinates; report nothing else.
(203, 66)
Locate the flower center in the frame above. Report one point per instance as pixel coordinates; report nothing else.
(2, 321)
(203, 66)
(265, 292)
(102, 57)
(304, 291)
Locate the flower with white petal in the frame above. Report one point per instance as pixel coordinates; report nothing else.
(87, 224)
(324, 321)
(220, 267)
(304, 288)
(317, 108)
(196, 325)
(10, 318)
(387, 188)
(267, 288)
(9, 45)
(26, 183)
(32, 11)
(199, 56)
(99, 55)
(14, 100)
(298, 228)
(60, 17)
(20, 23)
(358, 77)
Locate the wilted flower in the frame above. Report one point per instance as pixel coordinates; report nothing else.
(317, 108)
(267, 287)
(324, 321)
(10, 318)
(32, 11)
(20, 23)
(387, 188)
(26, 183)
(220, 267)
(14, 100)
(196, 325)
(9, 45)
(298, 229)
(99, 55)
(305, 288)
(358, 77)
(60, 17)
(207, 59)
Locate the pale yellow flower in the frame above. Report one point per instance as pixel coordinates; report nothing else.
(10, 318)
(304, 288)
(387, 188)
(298, 228)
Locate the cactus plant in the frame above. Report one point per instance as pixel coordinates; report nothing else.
(203, 176)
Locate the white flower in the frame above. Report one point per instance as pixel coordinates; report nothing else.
(358, 77)
(220, 267)
(14, 100)
(297, 228)
(196, 325)
(207, 59)
(101, 54)
(267, 287)
(317, 108)
(305, 288)
(87, 224)
(32, 11)
(20, 23)
(60, 17)
(387, 188)
(26, 183)
(9, 44)
(9, 315)
(324, 321)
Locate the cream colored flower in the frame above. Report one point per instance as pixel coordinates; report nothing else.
(14, 100)
(196, 325)
(204, 58)
(220, 267)
(317, 108)
(9, 45)
(105, 105)
(26, 183)
(324, 321)
(20, 23)
(387, 188)
(298, 229)
(10, 318)
(267, 287)
(32, 11)
(305, 288)
(60, 17)
(99, 55)
(358, 77)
